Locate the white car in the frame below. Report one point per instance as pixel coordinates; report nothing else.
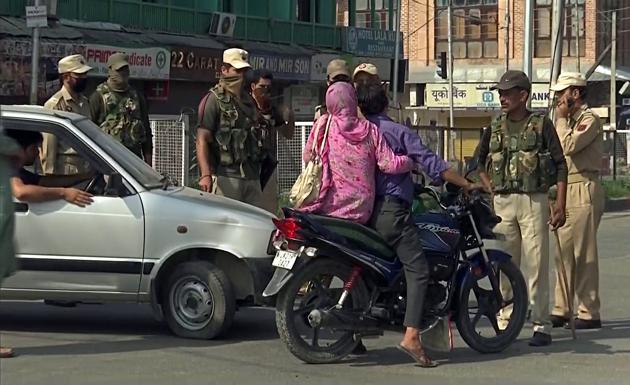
(194, 256)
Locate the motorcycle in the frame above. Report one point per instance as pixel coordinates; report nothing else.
(337, 281)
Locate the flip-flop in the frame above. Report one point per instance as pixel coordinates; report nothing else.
(6, 352)
(423, 361)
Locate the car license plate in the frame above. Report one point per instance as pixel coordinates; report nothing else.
(285, 259)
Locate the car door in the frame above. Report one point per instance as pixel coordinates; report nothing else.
(93, 252)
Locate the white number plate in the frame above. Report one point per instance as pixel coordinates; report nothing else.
(285, 259)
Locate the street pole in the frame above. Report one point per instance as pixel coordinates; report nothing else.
(613, 89)
(35, 63)
(396, 55)
(507, 35)
(528, 52)
(450, 81)
(557, 38)
(577, 35)
(613, 73)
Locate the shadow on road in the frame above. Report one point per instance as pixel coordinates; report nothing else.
(132, 328)
(588, 342)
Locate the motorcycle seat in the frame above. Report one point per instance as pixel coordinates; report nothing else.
(360, 236)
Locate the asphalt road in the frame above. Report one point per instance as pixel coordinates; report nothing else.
(122, 344)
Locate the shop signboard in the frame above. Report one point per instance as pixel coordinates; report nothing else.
(470, 95)
(287, 67)
(370, 42)
(151, 63)
(195, 64)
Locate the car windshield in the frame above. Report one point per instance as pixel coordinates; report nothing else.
(141, 171)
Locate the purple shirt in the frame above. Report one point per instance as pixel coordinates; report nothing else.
(405, 142)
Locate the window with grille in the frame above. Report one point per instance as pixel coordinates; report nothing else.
(380, 18)
(474, 28)
(574, 22)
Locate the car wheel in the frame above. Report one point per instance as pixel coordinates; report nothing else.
(198, 300)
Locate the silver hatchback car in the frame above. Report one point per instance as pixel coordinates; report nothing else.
(194, 256)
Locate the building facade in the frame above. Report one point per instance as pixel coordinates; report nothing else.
(485, 44)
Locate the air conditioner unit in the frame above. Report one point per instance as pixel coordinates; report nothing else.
(222, 24)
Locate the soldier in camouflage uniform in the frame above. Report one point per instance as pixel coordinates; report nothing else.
(336, 71)
(520, 157)
(229, 139)
(57, 157)
(121, 111)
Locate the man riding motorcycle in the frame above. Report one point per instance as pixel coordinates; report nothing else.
(392, 217)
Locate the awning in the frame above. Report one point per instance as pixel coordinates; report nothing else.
(602, 73)
(16, 27)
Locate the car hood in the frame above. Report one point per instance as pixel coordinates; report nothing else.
(213, 201)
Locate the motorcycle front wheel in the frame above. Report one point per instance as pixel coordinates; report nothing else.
(317, 285)
(485, 325)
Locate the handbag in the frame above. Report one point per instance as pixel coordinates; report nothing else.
(306, 188)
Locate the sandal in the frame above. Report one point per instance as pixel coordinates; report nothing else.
(6, 352)
(422, 360)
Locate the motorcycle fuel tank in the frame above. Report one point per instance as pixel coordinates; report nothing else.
(439, 232)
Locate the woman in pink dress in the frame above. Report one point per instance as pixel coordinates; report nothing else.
(352, 152)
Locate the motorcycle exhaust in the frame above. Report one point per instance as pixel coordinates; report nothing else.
(341, 320)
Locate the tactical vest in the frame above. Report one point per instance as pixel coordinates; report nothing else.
(237, 142)
(123, 118)
(519, 162)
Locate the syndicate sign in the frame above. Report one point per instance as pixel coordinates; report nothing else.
(289, 67)
(144, 63)
(370, 42)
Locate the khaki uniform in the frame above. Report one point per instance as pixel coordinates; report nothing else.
(581, 139)
(57, 157)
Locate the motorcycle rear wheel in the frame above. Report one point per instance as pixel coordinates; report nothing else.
(317, 286)
(491, 339)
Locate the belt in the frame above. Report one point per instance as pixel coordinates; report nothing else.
(586, 176)
(395, 200)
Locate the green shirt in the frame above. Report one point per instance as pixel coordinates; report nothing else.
(8, 147)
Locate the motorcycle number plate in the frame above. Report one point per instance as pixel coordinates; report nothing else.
(285, 259)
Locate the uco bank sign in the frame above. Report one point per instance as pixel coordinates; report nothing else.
(144, 63)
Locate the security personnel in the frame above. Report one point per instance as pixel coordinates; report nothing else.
(580, 133)
(336, 71)
(121, 111)
(57, 157)
(367, 73)
(523, 158)
(229, 139)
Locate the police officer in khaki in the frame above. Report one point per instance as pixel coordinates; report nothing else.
(336, 71)
(580, 133)
(230, 145)
(523, 158)
(57, 157)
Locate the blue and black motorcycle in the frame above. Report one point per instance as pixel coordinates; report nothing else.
(336, 280)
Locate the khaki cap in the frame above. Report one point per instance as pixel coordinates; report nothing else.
(236, 57)
(337, 67)
(73, 63)
(367, 68)
(512, 79)
(569, 79)
(118, 61)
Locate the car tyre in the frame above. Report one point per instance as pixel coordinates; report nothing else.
(198, 300)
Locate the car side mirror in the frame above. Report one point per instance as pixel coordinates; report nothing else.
(115, 186)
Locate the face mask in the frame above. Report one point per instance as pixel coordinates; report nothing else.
(119, 80)
(79, 85)
(262, 97)
(234, 84)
